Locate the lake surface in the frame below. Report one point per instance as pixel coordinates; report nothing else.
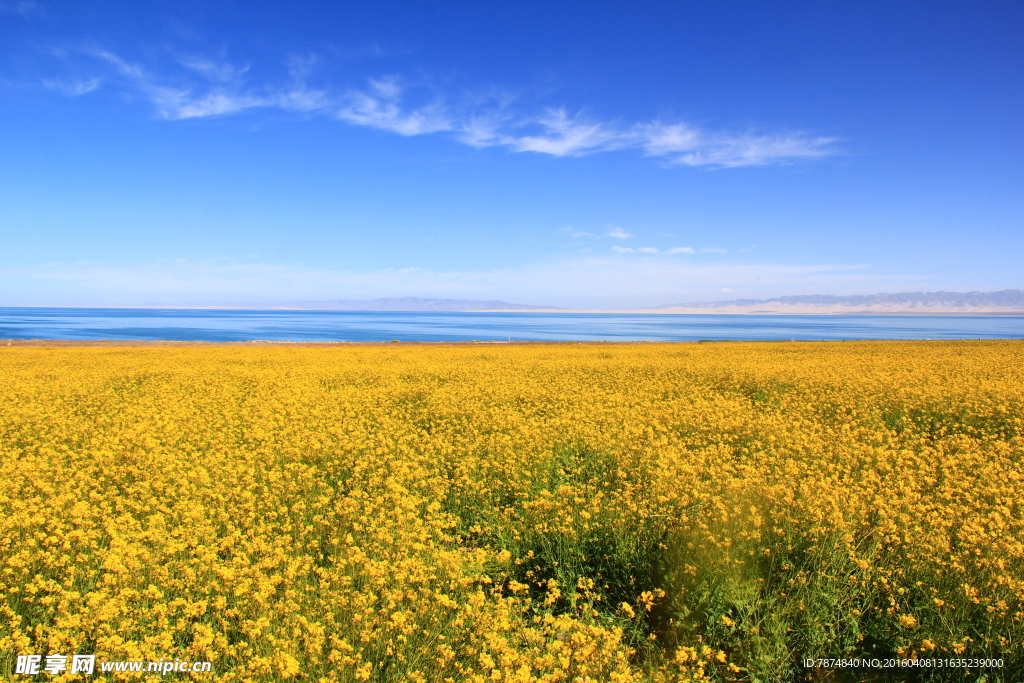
(362, 326)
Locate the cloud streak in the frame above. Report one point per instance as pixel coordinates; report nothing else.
(201, 87)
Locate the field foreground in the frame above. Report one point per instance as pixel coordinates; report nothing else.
(653, 512)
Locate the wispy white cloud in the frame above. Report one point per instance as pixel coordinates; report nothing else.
(203, 86)
(619, 233)
(584, 282)
(218, 71)
(74, 88)
(119, 65)
(563, 135)
(573, 232)
(681, 144)
(622, 250)
(674, 250)
(221, 91)
(380, 106)
(754, 150)
(659, 139)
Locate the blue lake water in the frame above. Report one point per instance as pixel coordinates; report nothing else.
(362, 326)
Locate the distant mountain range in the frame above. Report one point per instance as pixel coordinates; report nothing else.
(1006, 301)
(412, 303)
(1003, 301)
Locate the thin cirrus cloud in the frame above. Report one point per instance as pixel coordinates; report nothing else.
(674, 250)
(574, 233)
(74, 88)
(200, 87)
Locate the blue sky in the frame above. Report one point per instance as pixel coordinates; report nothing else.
(574, 153)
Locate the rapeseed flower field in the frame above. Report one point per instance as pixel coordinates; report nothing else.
(485, 512)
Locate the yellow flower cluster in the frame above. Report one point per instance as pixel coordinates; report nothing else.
(564, 512)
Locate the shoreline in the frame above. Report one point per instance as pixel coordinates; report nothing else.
(170, 343)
